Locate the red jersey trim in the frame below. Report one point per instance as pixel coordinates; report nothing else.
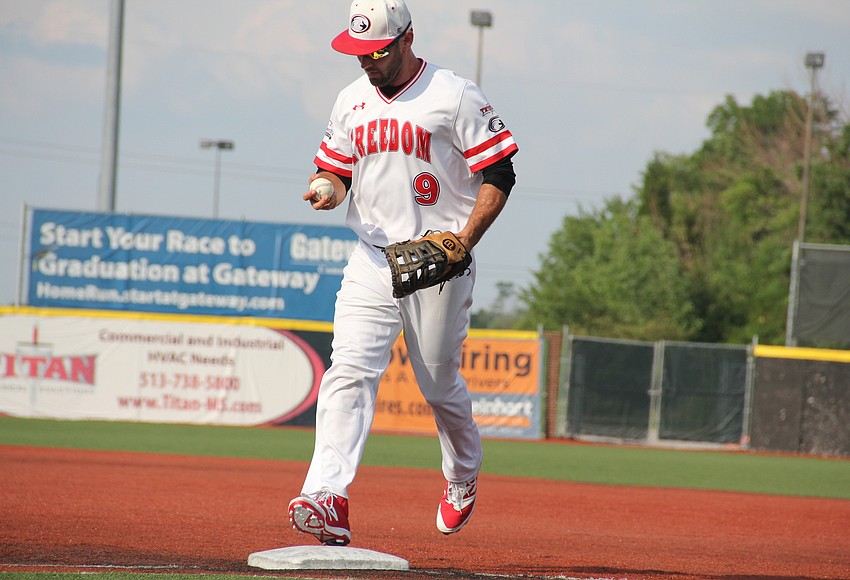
(491, 160)
(487, 144)
(332, 168)
(336, 156)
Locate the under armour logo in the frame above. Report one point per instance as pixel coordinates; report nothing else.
(360, 106)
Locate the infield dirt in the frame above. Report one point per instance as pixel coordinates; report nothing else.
(113, 511)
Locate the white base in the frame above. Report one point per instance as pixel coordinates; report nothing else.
(325, 558)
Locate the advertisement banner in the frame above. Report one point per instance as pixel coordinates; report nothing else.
(158, 371)
(187, 266)
(503, 377)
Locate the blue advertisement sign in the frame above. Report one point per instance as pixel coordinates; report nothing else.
(182, 265)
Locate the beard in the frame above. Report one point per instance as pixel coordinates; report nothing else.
(389, 76)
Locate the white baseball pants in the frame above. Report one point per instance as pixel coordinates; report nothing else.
(367, 322)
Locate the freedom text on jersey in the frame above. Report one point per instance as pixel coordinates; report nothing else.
(388, 136)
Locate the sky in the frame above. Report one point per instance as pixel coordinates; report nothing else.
(591, 90)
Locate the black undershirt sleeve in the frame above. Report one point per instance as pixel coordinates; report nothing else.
(501, 174)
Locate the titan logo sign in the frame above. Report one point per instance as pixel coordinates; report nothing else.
(35, 360)
(75, 369)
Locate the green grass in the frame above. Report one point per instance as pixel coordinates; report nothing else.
(558, 460)
(290, 444)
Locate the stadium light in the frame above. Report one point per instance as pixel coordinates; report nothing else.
(482, 19)
(219, 145)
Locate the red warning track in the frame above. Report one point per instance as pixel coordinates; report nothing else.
(108, 511)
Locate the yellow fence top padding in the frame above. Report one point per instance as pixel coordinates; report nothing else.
(801, 353)
(283, 323)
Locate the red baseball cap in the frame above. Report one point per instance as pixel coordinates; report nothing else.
(372, 25)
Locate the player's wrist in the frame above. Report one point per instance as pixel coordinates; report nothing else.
(467, 239)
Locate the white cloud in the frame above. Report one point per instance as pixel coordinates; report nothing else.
(252, 52)
(285, 51)
(35, 81)
(37, 85)
(60, 22)
(16, 15)
(830, 14)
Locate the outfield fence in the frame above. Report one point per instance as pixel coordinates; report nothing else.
(654, 391)
(150, 367)
(698, 394)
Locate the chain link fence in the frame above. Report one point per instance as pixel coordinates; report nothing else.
(654, 391)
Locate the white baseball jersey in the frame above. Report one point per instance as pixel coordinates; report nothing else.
(414, 158)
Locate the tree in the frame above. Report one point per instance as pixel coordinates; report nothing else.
(732, 209)
(703, 251)
(504, 312)
(830, 186)
(611, 273)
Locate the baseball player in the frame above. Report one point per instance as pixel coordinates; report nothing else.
(415, 148)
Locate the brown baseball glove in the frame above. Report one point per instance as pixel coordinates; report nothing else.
(433, 259)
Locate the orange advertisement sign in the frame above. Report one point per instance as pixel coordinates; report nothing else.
(503, 377)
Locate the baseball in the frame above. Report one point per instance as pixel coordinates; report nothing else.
(323, 188)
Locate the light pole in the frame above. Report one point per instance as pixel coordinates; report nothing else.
(482, 19)
(814, 61)
(219, 146)
(112, 111)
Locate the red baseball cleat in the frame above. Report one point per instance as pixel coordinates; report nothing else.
(324, 515)
(456, 506)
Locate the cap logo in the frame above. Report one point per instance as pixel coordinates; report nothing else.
(360, 24)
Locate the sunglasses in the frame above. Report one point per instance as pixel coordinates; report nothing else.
(379, 54)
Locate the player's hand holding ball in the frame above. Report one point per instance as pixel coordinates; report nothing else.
(321, 194)
(323, 188)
